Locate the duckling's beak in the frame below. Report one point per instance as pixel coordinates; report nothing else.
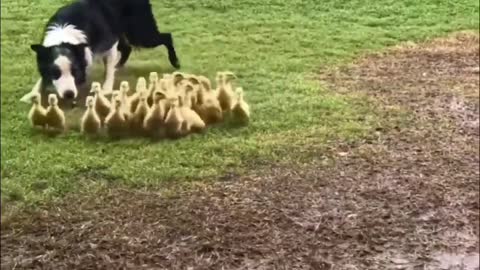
(230, 75)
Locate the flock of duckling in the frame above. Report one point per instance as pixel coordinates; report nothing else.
(170, 107)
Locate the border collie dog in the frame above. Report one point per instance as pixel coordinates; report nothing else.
(86, 29)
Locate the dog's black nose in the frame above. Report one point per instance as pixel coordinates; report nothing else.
(69, 94)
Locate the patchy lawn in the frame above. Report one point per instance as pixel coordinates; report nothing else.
(273, 46)
(404, 197)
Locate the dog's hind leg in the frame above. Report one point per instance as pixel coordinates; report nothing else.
(141, 30)
(167, 40)
(125, 50)
(157, 39)
(110, 61)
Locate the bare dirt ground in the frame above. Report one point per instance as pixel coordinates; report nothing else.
(405, 198)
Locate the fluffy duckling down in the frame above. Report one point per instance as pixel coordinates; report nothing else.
(152, 81)
(207, 106)
(166, 82)
(152, 86)
(174, 122)
(55, 118)
(240, 109)
(140, 88)
(193, 122)
(196, 85)
(183, 103)
(139, 114)
(126, 105)
(224, 90)
(102, 104)
(91, 122)
(37, 114)
(116, 123)
(177, 77)
(205, 83)
(155, 118)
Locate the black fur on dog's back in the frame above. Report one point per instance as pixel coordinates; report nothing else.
(139, 26)
(131, 22)
(83, 29)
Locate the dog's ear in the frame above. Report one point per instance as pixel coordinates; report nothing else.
(42, 51)
(38, 48)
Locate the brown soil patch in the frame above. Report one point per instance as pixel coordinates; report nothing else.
(389, 202)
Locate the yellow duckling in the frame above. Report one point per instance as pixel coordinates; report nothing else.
(139, 115)
(205, 83)
(162, 85)
(152, 81)
(37, 113)
(165, 82)
(152, 86)
(124, 86)
(140, 88)
(141, 85)
(229, 76)
(172, 91)
(155, 118)
(102, 104)
(91, 123)
(55, 118)
(241, 109)
(193, 122)
(116, 123)
(115, 95)
(174, 122)
(126, 105)
(224, 91)
(177, 77)
(207, 106)
(195, 81)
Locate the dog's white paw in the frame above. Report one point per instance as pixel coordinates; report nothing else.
(27, 98)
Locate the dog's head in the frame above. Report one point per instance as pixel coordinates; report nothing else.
(63, 67)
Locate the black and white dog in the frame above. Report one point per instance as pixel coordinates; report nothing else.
(85, 29)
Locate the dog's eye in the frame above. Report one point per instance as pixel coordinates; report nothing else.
(55, 73)
(74, 70)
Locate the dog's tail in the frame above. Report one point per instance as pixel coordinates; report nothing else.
(140, 26)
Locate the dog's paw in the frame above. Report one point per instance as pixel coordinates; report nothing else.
(27, 98)
(174, 61)
(36, 89)
(176, 65)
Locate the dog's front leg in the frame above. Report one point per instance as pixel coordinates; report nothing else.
(110, 61)
(36, 89)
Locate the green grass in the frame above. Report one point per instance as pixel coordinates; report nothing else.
(274, 46)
